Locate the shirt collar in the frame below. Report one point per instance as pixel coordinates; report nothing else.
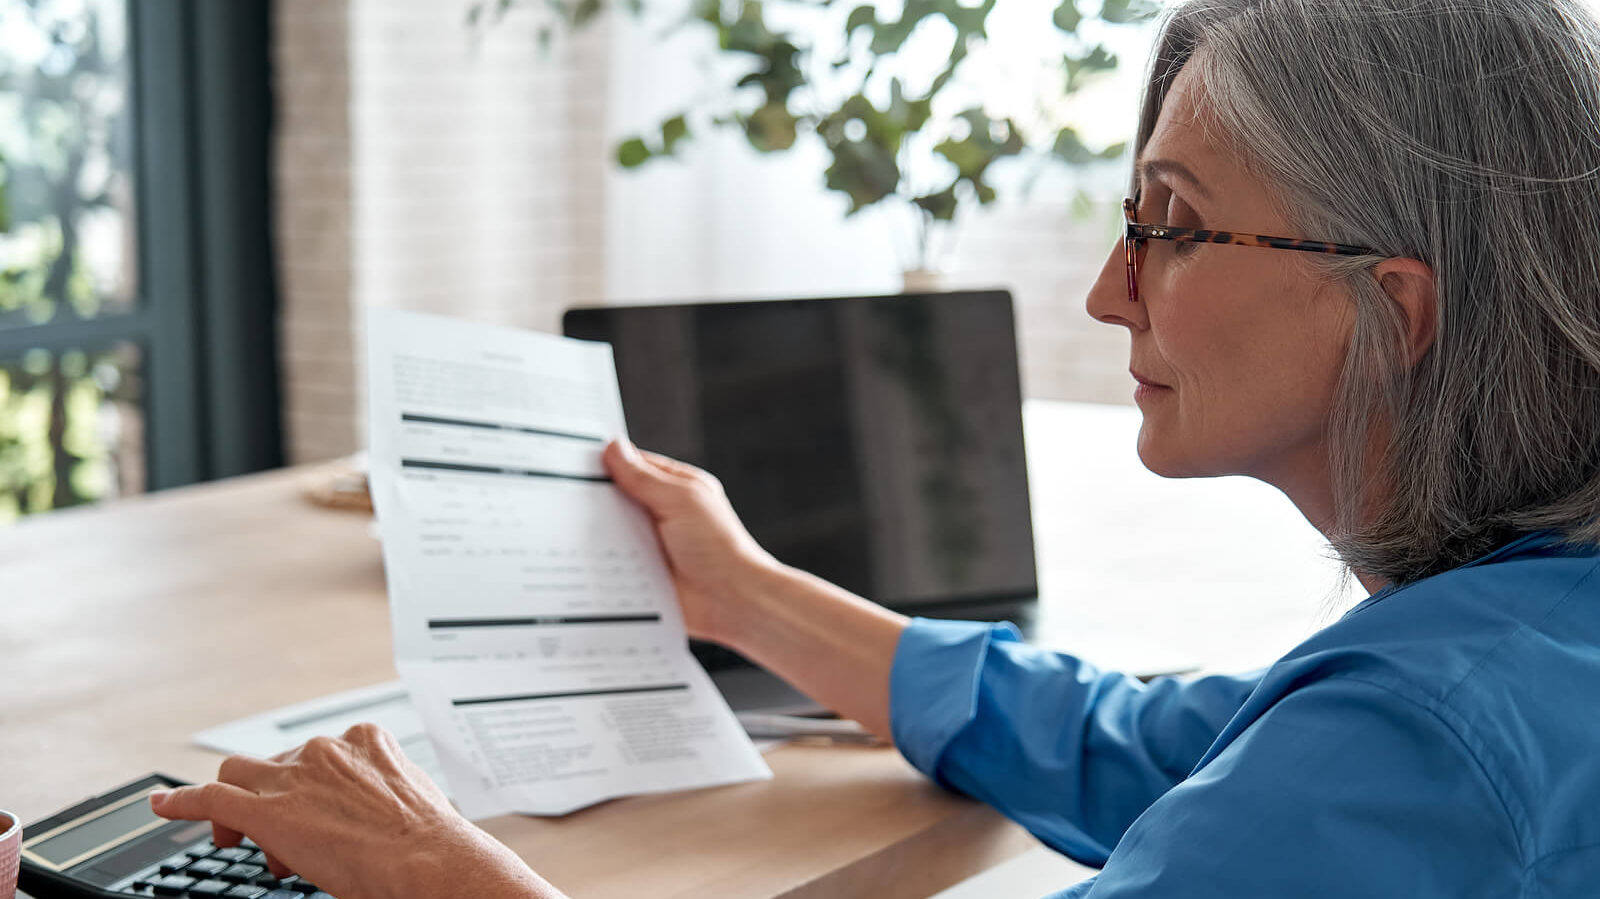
(1527, 543)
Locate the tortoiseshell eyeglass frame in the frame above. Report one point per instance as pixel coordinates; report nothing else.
(1136, 232)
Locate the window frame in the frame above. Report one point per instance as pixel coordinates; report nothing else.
(205, 315)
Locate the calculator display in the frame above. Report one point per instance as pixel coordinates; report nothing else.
(111, 846)
(97, 833)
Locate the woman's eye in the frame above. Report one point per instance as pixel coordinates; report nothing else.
(1185, 247)
(1181, 214)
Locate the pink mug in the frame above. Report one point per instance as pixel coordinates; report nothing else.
(10, 854)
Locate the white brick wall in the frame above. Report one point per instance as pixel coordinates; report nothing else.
(1048, 259)
(312, 171)
(470, 197)
(423, 167)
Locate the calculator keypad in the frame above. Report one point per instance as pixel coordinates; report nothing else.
(203, 870)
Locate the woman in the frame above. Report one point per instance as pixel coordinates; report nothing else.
(1425, 388)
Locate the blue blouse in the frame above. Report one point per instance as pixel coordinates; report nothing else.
(1441, 739)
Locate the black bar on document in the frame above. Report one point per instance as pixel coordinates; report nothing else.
(576, 694)
(512, 472)
(540, 620)
(495, 426)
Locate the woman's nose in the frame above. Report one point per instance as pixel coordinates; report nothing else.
(1108, 296)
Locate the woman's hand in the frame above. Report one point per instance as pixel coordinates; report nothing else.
(355, 817)
(714, 560)
(834, 646)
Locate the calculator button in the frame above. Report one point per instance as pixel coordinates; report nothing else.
(234, 854)
(175, 864)
(242, 873)
(284, 894)
(257, 858)
(304, 887)
(206, 867)
(200, 851)
(172, 885)
(247, 843)
(209, 888)
(246, 891)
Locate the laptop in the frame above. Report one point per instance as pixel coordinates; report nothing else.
(873, 441)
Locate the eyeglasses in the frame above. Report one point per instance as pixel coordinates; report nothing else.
(1136, 233)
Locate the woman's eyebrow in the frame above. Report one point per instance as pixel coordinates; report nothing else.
(1151, 168)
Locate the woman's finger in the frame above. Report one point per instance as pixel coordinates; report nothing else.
(366, 734)
(224, 805)
(278, 869)
(378, 746)
(670, 466)
(223, 836)
(255, 775)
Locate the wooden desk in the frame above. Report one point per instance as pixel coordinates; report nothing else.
(130, 627)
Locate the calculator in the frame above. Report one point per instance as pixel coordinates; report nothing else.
(113, 846)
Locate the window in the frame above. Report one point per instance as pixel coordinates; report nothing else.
(136, 335)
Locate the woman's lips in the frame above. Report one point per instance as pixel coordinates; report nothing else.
(1147, 388)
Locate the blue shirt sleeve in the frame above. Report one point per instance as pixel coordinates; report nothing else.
(1343, 788)
(1071, 753)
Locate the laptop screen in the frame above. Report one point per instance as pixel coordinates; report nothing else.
(873, 441)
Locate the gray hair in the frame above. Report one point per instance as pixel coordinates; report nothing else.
(1466, 134)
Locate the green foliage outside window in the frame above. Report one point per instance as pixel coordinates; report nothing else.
(55, 413)
(65, 252)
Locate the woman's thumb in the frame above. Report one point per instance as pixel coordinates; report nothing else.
(635, 477)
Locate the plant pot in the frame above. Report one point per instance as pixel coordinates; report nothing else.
(922, 280)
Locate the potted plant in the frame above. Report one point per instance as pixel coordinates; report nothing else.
(892, 134)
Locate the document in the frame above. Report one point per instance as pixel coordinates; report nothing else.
(535, 624)
(280, 730)
(269, 733)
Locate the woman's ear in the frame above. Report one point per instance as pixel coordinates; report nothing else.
(1411, 287)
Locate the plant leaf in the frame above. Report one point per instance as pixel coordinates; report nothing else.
(907, 115)
(771, 128)
(1069, 148)
(585, 11)
(987, 140)
(863, 171)
(632, 153)
(1114, 151)
(941, 204)
(1122, 12)
(1080, 68)
(1066, 17)
(673, 130)
(888, 37)
(860, 17)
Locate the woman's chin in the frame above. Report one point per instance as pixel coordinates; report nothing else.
(1157, 464)
(1164, 456)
